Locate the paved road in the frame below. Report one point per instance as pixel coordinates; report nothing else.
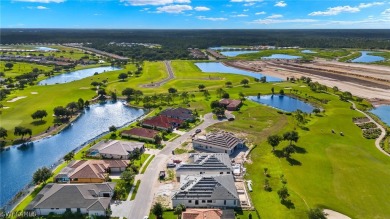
(171, 76)
(383, 134)
(143, 201)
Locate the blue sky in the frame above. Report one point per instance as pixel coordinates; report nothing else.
(195, 14)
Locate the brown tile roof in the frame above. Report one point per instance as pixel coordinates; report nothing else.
(142, 132)
(230, 103)
(93, 169)
(202, 214)
(162, 121)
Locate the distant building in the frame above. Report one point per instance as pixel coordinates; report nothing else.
(114, 149)
(179, 113)
(140, 134)
(91, 199)
(206, 164)
(91, 171)
(231, 105)
(162, 123)
(219, 142)
(206, 192)
(195, 213)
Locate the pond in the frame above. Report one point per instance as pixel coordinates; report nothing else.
(281, 56)
(308, 51)
(46, 49)
(383, 112)
(236, 53)
(283, 102)
(76, 75)
(18, 163)
(366, 58)
(216, 67)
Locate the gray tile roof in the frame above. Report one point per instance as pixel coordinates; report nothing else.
(116, 147)
(208, 161)
(219, 139)
(72, 196)
(207, 187)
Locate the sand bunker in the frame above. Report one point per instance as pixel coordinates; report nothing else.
(5, 107)
(34, 92)
(334, 215)
(16, 99)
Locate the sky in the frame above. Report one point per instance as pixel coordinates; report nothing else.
(195, 14)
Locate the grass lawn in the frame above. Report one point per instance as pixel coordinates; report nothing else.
(139, 162)
(147, 164)
(346, 174)
(135, 190)
(166, 215)
(22, 68)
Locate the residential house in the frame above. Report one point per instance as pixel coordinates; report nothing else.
(229, 104)
(179, 113)
(90, 171)
(219, 142)
(162, 123)
(115, 149)
(206, 164)
(140, 134)
(91, 199)
(199, 213)
(206, 192)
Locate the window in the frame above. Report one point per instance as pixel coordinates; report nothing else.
(196, 202)
(227, 172)
(234, 202)
(203, 201)
(224, 202)
(189, 201)
(75, 179)
(209, 201)
(220, 172)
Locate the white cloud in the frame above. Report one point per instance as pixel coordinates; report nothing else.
(367, 5)
(261, 12)
(41, 1)
(249, 4)
(240, 15)
(202, 8)
(212, 18)
(274, 16)
(335, 11)
(174, 9)
(42, 8)
(280, 4)
(348, 9)
(153, 2)
(386, 12)
(245, 10)
(279, 21)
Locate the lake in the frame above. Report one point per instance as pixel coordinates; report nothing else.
(76, 75)
(307, 51)
(283, 102)
(366, 58)
(281, 56)
(217, 67)
(383, 112)
(18, 163)
(46, 49)
(236, 53)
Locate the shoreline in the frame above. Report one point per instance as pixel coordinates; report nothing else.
(29, 188)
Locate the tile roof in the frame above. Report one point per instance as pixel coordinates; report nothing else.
(220, 187)
(179, 112)
(162, 121)
(202, 214)
(73, 196)
(208, 161)
(115, 147)
(93, 169)
(142, 132)
(219, 139)
(230, 102)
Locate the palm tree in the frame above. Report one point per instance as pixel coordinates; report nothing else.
(184, 96)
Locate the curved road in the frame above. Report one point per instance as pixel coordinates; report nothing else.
(171, 76)
(383, 131)
(142, 204)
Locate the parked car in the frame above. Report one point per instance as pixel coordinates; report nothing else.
(176, 161)
(171, 165)
(198, 131)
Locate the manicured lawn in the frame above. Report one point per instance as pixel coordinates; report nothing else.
(135, 190)
(343, 173)
(166, 215)
(22, 68)
(147, 164)
(139, 162)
